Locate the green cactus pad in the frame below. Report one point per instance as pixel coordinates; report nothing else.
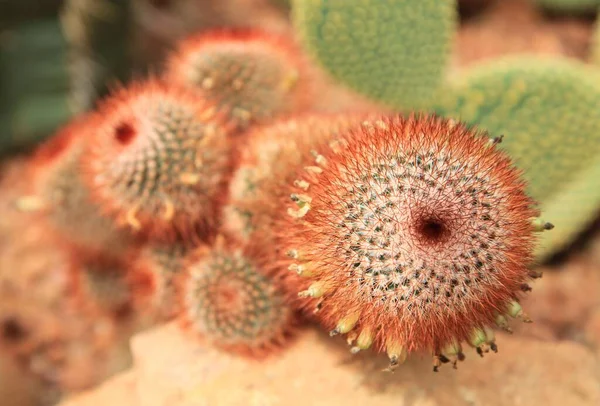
(547, 110)
(393, 51)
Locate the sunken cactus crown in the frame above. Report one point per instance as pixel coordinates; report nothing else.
(411, 234)
(158, 159)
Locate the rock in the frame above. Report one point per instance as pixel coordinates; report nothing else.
(175, 370)
(562, 300)
(119, 390)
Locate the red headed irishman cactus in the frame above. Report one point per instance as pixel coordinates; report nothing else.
(59, 193)
(271, 149)
(252, 75)
(229, 301)
(162, 265)
(412, 234)
(158, 159)
(112, 286)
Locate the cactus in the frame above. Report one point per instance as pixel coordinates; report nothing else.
(270, 150)
(547, 110)
(569, 6)
(59, 194)
(414, 233)
(158, 160)
(59, 340)
(394, 51)
(110, 285)
(252, 75)
(30, 300)
(163, 265)
(230, 302)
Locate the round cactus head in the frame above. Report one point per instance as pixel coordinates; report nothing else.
(163, 266)
(252, 75)
(158, 159)
(59, 193)
(111, 286)
(271, 150)
(230, 302)
(41, 324)
(413, 234)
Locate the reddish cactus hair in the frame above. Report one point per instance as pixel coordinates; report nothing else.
(158, 160)
(270, 150)
(253, 75)
(229, 301)
(163, 266)
(58, 192)
(414, 234)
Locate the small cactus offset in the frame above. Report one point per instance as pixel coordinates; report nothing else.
(58, 192)
(163, 266)
(109, 285)
(546, 108)
(253, 76)
(414, 233)
(271, 150)
(158, 160)
(393, 51)
(65, 343)
(229, 301)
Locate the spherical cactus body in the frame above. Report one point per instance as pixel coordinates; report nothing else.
(230, 302)
(270, 150)
(253, 76)
(392, 51)
(61, 341)
(58, 192)
(162, 265)
(158, 160)
(410, 234)
(111, 286)
(553, 138)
